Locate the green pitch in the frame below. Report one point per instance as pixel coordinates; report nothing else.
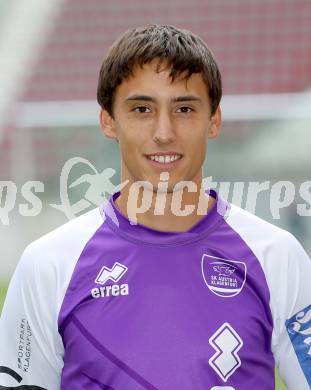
(279, 383)
(3, 287)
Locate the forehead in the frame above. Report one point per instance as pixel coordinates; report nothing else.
(153, 78)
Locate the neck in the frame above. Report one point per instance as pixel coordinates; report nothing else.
(172, 211)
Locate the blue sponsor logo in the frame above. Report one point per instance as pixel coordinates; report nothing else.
(299, 331)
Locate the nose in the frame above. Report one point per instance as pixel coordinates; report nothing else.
(164, 129)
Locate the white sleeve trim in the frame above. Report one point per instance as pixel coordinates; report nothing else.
(287, 269)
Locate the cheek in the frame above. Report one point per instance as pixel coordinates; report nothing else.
(126, 138)
(195, 148)
(130, 132)
(196, 140)
(130, 148)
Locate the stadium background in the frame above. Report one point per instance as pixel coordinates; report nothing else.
(50, 54)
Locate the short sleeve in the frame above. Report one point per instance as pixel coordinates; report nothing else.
(30, 346)
(292, 315)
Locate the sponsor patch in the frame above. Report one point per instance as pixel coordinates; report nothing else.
(299, 331)
(24, 346)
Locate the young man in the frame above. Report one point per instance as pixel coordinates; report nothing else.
(166, 286)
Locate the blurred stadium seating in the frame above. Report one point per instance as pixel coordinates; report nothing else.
(262, 46)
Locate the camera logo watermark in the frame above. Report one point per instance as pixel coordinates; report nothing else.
(99, 190)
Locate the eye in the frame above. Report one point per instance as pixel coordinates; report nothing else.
(142, 109)
(184, 109)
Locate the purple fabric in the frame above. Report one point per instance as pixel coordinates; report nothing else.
(159, 336)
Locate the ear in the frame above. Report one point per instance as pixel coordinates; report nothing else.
(214, 128)
(107, 124)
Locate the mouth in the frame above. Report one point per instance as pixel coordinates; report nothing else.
(164, 160)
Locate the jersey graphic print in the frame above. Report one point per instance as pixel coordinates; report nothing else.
(13, 374)
(225, 278)
(299, 331)
(227, 344)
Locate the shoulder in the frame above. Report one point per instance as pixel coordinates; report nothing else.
(282, 258)
(47, 264)
(67, 239)
(276, 249)
(257, 233)
(51, 259)
(285, 263)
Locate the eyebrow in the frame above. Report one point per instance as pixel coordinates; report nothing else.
(177, 99)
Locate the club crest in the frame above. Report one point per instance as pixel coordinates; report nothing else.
(225, 278)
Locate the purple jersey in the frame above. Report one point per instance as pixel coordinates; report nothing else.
(103, 303)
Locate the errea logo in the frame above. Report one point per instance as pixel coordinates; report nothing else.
(114, 274)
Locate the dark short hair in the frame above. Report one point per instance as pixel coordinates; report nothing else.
(182, 50)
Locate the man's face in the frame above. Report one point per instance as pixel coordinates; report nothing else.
(161, 126)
